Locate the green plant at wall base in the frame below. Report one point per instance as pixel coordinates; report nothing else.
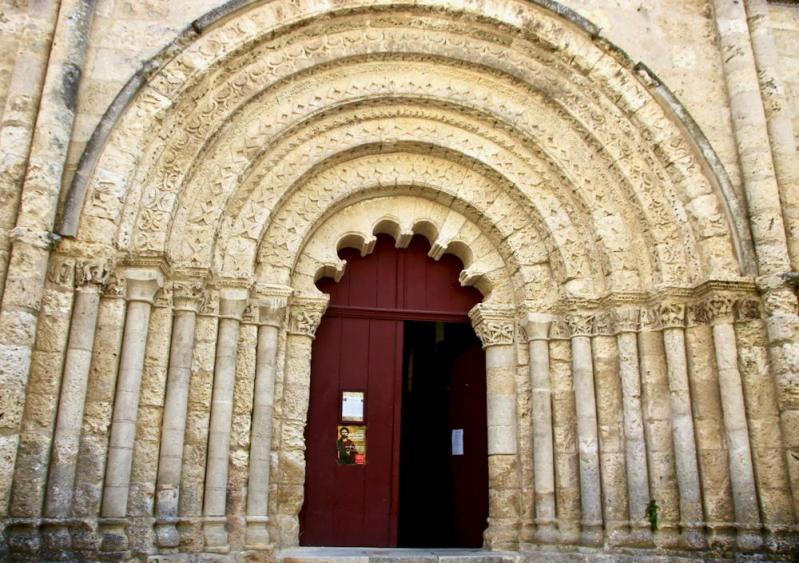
(652, 514)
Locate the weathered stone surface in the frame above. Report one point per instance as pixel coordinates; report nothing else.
(649, 217)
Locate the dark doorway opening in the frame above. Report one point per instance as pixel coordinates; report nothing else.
(444, 439)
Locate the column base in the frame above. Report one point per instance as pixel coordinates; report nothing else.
(546, 532)
(668, 537)
(640, 535)
(720, 537)
(591, 534)
(216, 538)
(56, 538)
(749, 539)
(24, 540)
(501, 534)
(166, 532)
(113, 534)
(257, 535)
(694, 537)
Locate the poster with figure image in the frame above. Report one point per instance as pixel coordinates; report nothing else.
(351, 445)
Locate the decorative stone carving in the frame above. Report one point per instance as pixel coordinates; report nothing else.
(188, 295)
(747, 309)
(650, 319)
(306, 314)
(719, 308)
(61, 271)
(604, 324)
(494, 326)
(272, 304)
(91, 272)
(580, 324)
(627, 319)
(672, 314)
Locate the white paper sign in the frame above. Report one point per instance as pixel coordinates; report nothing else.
(352, 406)
(457, 441)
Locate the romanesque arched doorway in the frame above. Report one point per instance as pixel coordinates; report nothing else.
(409, 467)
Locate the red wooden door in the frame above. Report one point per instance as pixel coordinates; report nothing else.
(359, 347)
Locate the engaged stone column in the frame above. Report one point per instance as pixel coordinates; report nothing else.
(272, 313)
(744, 495)
(580, 326)
(626, 325)
(672, 317)
(537, 328)
(305, 316)
(187, 298)
(610, 423)
(142, 285)
(657, 416)
(89, 277)
(495, 328)
(232, 302)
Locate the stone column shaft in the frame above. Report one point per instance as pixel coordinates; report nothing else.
(66, 440)
(272, 313)
(496, 329)
(141, 289)
(660, 448)
(744, 494)
(691, 518)
(634, 443)
(543, 448)
(231, 307)
(31, 237)
(19, 114)
(170, 463)
(585, 399)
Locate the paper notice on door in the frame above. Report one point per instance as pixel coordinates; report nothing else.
(457, 441)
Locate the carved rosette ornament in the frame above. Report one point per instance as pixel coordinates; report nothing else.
(306, 314)
(494, 326)
(671, 314)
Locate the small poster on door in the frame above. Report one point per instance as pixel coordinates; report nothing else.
(351, 445)
(352, 406)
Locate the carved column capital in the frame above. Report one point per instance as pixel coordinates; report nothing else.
(536, 326)
(627, 319)
(672, 314)
(142, 284)
(719, 308)
(650, 319)
(747, 309)
(580, 324)
(494, 326)
(91, 274)
(697, 314)
(272, 301)
(559, 330)
(232, 302)
(604, 324)
(306, 314)
(187, 295)
(61, 271)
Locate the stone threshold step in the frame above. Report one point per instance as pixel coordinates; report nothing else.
(392, 555)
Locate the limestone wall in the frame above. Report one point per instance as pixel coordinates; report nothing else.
(784, 18)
